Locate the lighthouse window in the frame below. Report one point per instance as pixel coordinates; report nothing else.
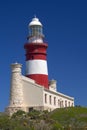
(36, 30)
(40, 30)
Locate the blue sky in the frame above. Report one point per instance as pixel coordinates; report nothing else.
(65, 30)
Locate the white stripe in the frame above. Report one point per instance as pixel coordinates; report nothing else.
(36, 67)
(35, 40)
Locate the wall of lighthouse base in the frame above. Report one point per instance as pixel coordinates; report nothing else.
(37, 97)
(11, 110)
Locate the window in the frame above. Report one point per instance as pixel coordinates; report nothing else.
(58, 102)
(68, 104)
(35, 31)
(72, 105)
(30, 109)
(65, 103)
(50, 99)
(54, 100)
(45, 98)
(61, 103)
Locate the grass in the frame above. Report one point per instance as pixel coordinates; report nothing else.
(75, 116)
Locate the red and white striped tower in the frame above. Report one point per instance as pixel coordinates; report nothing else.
(36, 56)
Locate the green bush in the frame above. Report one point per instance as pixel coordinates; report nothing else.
(19, 113)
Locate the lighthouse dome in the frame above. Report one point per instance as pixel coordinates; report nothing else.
(35, 21)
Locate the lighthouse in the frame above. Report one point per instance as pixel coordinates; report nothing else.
(33, 90)
(36, 54)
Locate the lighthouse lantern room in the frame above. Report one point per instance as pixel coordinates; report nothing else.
(35, 31)
(36, 55)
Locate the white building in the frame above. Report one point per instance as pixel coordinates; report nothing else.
(35, 91)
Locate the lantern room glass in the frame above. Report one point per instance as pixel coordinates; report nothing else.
(35, 31)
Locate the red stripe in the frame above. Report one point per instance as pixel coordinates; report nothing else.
(35, 57)
(36, 51)
(40, 79)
